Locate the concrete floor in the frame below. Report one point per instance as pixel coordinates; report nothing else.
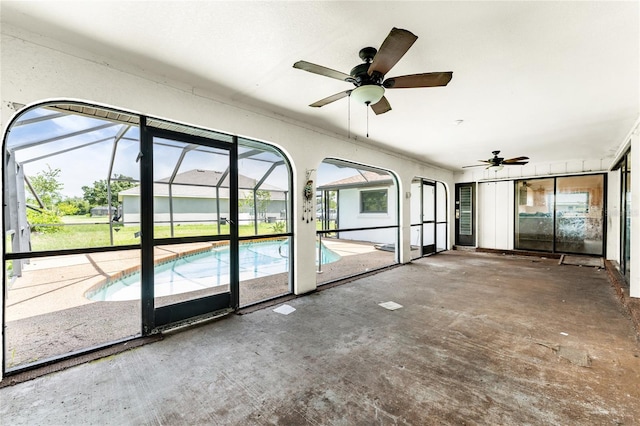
(48, 313)
(480, 339)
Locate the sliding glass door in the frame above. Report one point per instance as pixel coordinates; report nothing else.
(563, 214)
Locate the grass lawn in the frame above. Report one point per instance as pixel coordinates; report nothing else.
(82, 231)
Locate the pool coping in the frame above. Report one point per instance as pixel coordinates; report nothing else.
(171, 257)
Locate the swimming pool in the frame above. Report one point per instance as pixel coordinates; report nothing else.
(205, 270)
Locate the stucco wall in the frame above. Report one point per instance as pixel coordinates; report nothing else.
(351, 217)
(35, 69)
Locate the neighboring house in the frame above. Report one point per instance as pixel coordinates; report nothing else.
(199, 196)
(102, 211)
(367, 199)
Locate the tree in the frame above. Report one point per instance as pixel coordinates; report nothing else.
(74, 206)
(96, 195)
(66, 208)
(47, 187)
(262, 198)
(43, 221)
(333, 199)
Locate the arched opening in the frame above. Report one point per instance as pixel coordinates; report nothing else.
(117, 225)
(357, 219)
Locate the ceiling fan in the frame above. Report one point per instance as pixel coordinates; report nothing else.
(497, 163)
(368, 77)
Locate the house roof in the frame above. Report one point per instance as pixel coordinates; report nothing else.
(201, 183)
(203, 177)
(363, 179)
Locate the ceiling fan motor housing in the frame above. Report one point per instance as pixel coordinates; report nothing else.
(496, 161)
(361, 77)
(367, 54)
(360, 73)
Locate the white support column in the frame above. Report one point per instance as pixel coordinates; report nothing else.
(305, 232)
(404, 219)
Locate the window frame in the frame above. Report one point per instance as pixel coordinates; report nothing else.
(361, 203)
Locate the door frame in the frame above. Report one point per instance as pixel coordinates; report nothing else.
(439, 218)
(465, 240)
(153, 318)
(625, 214)
(430, 248)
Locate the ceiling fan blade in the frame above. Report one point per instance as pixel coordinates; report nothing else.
(429, 79)
(319, 69)
(475, 165)
(514, 160)
(381, 106)
(392, 49)
(516, 163)
(329, 99)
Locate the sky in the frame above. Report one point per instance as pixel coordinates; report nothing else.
(91, 161)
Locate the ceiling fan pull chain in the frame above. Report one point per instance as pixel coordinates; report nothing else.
(367, 107)
(349, 117)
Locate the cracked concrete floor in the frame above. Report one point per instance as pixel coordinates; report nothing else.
(480, 339)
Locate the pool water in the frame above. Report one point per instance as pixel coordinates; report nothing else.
(205, 270)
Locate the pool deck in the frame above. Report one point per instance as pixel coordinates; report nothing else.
(64, 280)
(47, 312)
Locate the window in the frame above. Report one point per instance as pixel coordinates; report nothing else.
(373, 201)
(577, 202)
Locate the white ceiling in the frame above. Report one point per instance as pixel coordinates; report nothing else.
(554, 81)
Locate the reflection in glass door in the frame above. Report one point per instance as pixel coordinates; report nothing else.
(194, 229)
(579, 208)
(534, 227)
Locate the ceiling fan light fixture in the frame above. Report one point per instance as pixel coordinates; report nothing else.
(368, 94)
(496, 168)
